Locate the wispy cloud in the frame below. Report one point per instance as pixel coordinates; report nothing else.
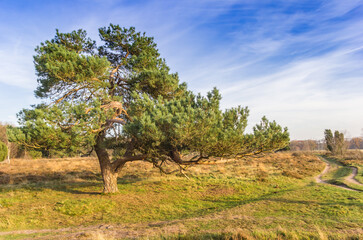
(15, 68)
(299, 62)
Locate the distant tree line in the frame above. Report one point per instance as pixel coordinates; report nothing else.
(356, 143)
(307, 145)
(336, 144)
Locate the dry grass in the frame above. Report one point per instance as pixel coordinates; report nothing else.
(296, 165)
(352, 157)
(22, 171)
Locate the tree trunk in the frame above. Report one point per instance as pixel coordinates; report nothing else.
(110, 170)
(109, 174)
(109, 181)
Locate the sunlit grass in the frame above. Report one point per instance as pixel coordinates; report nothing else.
(263, 198)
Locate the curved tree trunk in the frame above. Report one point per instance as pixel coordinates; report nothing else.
(109, 174)
(110, 170)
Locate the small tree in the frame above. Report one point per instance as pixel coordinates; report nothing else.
(3, 151)
(340, 144)
(329, 140)
(335, 144)
(122, 96)
(4, 139)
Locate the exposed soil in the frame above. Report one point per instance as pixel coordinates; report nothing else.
(326, 169)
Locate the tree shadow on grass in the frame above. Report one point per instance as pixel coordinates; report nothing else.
(129, 179)
(70, 182)
(235, 201)
(65, 176)
(277, 196)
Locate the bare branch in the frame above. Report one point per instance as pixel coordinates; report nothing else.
(117, 120)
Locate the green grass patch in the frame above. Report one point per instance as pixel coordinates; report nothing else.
(45, 206)
(359, 176)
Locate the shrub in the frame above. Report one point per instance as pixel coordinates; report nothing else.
(3, 151)
(35, 154)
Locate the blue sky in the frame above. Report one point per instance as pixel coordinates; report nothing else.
(297, 62)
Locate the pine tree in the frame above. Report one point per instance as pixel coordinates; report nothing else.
(329, 140)
(122, 95)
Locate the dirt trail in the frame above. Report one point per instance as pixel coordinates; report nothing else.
(326, 169)
(349, 178)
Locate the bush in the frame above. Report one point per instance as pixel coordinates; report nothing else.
(3, 151)
(35, 154)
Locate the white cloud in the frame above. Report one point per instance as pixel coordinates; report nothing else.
(306, 92)
(16, 67)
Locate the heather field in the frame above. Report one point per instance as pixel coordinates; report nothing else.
(274, 196)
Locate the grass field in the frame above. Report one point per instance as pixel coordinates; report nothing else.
(272, 197)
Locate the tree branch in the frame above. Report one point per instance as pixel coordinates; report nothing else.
(120, 162)
(117, 120)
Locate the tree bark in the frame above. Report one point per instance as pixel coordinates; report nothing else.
(109, 181)
(109, 175)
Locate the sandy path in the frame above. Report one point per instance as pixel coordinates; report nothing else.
(326, 169)
(349, 178)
